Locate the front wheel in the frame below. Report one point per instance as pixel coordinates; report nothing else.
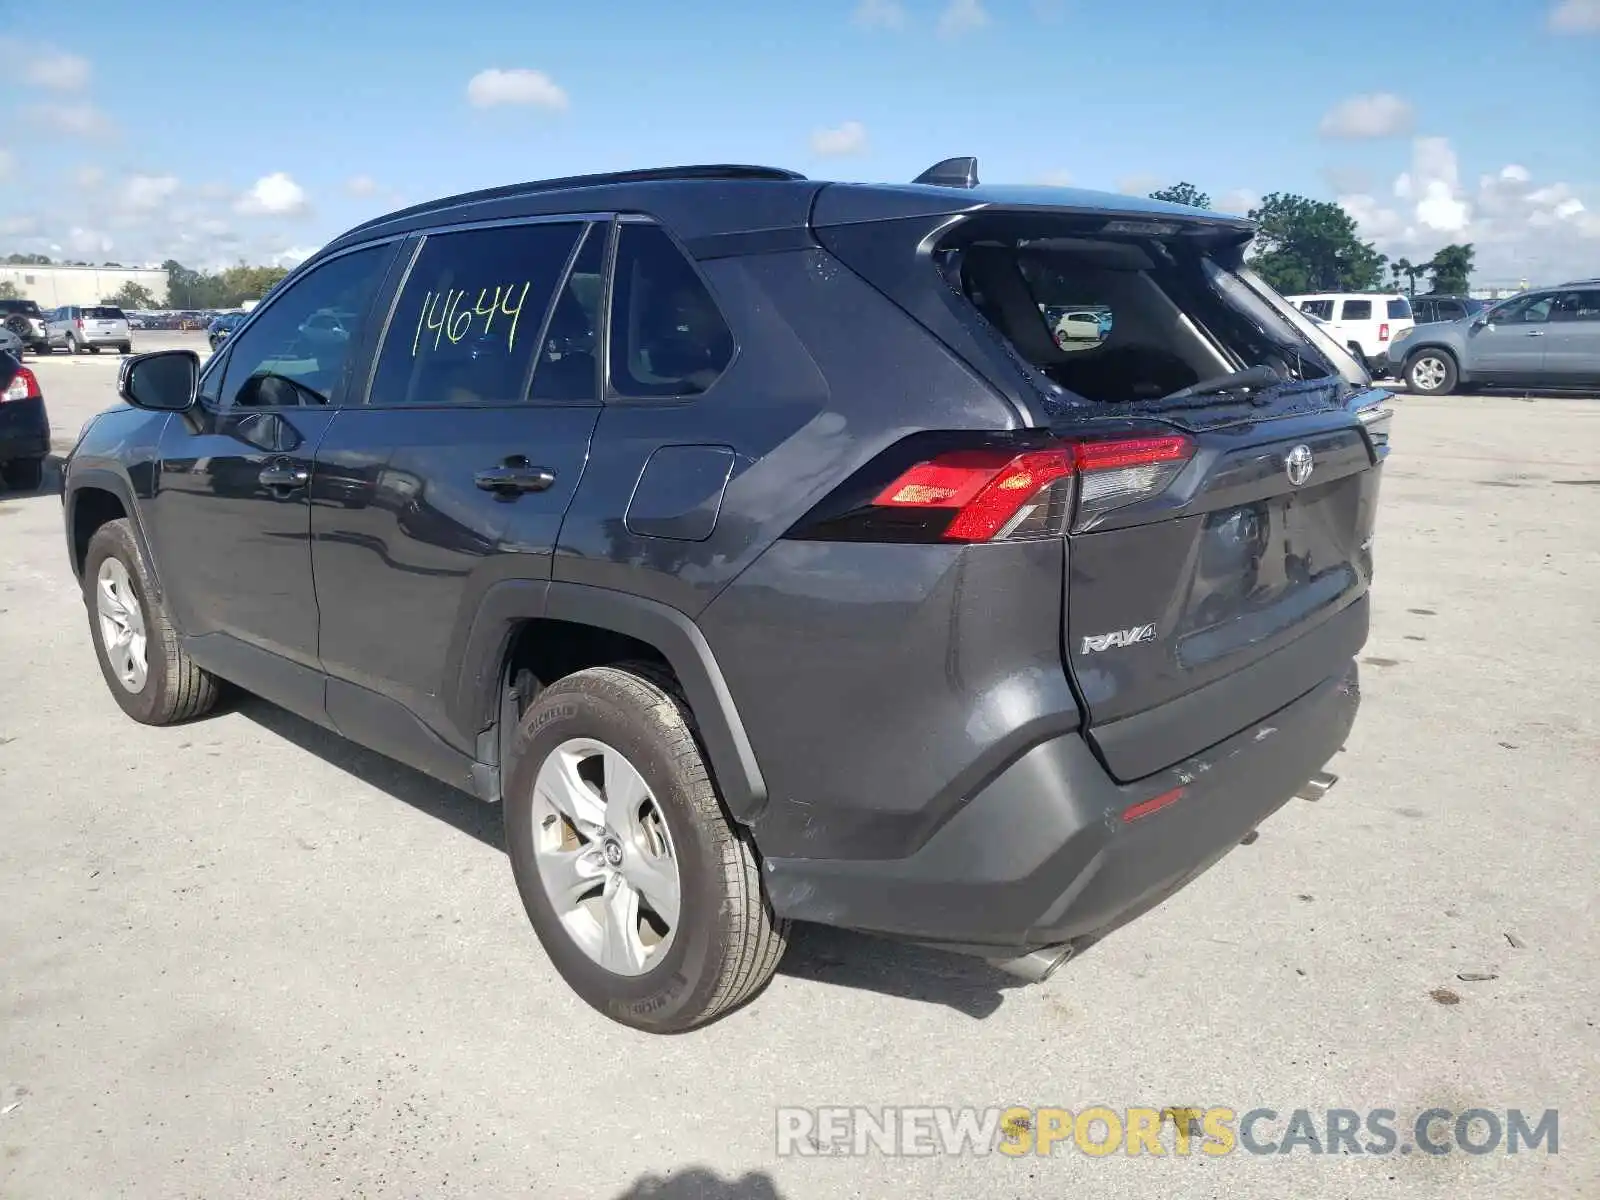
(149, 675)
(1431, 373)
(125, 348)
(646, 897)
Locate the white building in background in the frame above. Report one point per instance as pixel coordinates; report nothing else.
(53, 286)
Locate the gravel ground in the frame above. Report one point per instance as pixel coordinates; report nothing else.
(241, 958)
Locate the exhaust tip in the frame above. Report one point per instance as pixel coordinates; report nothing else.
(1036, 966)
(1318, 786)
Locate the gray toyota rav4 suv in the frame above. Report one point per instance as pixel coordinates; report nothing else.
(754, 544)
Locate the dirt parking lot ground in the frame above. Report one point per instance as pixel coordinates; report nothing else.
(240, 958)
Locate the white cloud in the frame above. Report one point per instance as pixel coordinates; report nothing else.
(293, 256)
(17, 226)
(82, 243)
(275, 195)
(1238, 201)
(1055, 179)
(361, 185)
(1372, 115)
(494, 86)
(147, 193)
(1518, 230)
(8, 163)
(56, 70)
(962, 16)
(849, 138)
(1575, 16)
(880, 14)
(88, 177)
(76, 120)
(1138, 185)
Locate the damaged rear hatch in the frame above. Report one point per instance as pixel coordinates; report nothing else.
(1227, 453)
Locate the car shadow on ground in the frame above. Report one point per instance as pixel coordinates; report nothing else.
(700, 1183)
(818, 953)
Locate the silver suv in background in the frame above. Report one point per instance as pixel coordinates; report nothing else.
(77, 329)
(1549, 337)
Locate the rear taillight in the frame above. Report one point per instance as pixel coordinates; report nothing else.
(78, 321)
(24, 387)
(996, 493)
(1383, 332)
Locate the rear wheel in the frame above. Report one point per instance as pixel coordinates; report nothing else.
(125, 348)
(72, 345)
(149, 675)
(24, 474)
(1431, 373)
(646, 897)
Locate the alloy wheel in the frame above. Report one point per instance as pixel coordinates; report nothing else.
(605, 856)
(122, 629)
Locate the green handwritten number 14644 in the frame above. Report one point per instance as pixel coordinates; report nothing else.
(446, 317)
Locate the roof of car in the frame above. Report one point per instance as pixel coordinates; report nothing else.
(712, 199)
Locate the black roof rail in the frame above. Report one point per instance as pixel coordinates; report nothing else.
(712, 171)
(952, 172)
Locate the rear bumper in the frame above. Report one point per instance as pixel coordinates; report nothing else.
(24, 430)
(1041, 856)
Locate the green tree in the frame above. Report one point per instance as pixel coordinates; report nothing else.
(1305, 245)
(1451, 268)
(131, 295)
(1182, 193)
(242, 282)
(8, 291)
(28, 260)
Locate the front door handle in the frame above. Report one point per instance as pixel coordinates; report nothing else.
(513, 477)
(1534, 333)
(284, 475)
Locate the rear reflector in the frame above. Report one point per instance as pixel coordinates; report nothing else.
(1153, 805)
(993, 491)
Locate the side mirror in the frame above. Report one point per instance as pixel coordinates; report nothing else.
(1482, 319)
(10, 364)
(164, 381)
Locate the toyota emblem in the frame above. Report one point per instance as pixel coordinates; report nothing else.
(1298, 465)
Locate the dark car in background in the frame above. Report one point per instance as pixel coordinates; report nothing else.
(27, 320)
(752, 541)
(24, 429)
(221, 326)
(1431, 308)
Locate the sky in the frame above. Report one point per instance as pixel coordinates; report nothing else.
(260, 131)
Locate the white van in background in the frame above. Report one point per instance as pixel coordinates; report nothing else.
(1366, 322)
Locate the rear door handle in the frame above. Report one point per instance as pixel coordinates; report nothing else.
(1534, 333)
(284, 475)
(513, 478)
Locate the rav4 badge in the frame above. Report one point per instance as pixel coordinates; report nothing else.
(1097, 642)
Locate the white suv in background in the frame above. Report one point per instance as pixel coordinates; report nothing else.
(89, 327)
(1366, 322)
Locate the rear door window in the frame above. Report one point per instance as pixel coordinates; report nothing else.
(1356, 310)
(1318, 308)
(667, 337)
(1399, 309)
(467, 324)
